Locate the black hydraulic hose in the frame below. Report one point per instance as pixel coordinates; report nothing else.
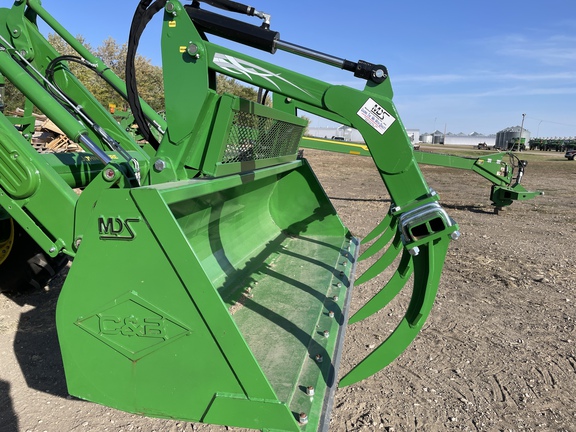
(51, 66)
(144, 12)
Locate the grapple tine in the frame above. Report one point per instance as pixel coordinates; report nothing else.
(378, 229)
(383, 262)
(389, 291)
(427, 269)
(382, 241)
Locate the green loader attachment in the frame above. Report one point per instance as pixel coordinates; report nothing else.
(504, 170)
(211, 275)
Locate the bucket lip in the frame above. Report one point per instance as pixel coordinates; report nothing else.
(181, 190)
(328, 403)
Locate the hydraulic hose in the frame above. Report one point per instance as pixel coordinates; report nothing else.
(144, 13)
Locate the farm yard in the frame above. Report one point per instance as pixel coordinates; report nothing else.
(498, 352)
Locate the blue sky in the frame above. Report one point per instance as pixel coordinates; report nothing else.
(460, 65)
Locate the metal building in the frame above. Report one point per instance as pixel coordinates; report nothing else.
(509, 138)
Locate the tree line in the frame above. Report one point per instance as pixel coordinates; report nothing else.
(149, 77)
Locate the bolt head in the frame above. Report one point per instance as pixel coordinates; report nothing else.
(455, 235)
(159, 165)
(414, 251)
(109, 174)
(319, 358)
(379, 73)
(310, 391)
(193, 50)
(303, 418)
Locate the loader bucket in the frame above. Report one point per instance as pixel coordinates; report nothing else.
(220, 301)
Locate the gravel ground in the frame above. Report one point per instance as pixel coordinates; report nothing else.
(497, 353)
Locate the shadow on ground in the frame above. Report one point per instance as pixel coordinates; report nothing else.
(36, 343)
(8, 418)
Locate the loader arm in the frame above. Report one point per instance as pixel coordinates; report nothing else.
(212, 276)
(504, 176)
(504, 170)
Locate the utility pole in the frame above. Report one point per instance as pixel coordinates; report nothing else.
(521, 130)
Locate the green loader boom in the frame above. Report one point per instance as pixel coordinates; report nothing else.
(504, 170)
(211, 275)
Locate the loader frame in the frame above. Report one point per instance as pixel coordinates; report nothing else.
(211, 275)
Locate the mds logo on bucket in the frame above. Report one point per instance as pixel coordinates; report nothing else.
(115, 228)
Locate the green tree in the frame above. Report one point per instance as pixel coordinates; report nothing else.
(13, 98)
(149, 77)
(229, 85)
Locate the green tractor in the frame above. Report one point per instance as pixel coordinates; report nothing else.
(211, 276)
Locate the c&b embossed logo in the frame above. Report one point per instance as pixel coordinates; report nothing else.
(133, 326)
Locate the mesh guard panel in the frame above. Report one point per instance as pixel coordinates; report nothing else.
(254, 137)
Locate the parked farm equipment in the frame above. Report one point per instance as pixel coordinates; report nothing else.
(211, 275)
(504, 170)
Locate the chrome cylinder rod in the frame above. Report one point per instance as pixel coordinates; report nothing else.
(312, 54)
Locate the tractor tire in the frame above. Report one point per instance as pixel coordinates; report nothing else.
(23, 264)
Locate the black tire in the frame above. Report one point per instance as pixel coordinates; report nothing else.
(23, 265)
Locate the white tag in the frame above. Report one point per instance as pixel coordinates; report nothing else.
(376, 116)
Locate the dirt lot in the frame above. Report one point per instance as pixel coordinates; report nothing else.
(497, 354)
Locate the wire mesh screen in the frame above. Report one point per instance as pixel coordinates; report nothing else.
(254, 137)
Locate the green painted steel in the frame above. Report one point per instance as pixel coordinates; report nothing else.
(203, 250)
(378, 230)
(505, 178)
(212, 276)
(335, 146)
(390, 290)
(384, 261)
(383, 240)
(431, 260)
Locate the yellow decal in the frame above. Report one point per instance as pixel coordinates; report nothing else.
(172, 24)
(182, 49)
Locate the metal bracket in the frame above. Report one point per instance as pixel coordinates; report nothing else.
(425, 221)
